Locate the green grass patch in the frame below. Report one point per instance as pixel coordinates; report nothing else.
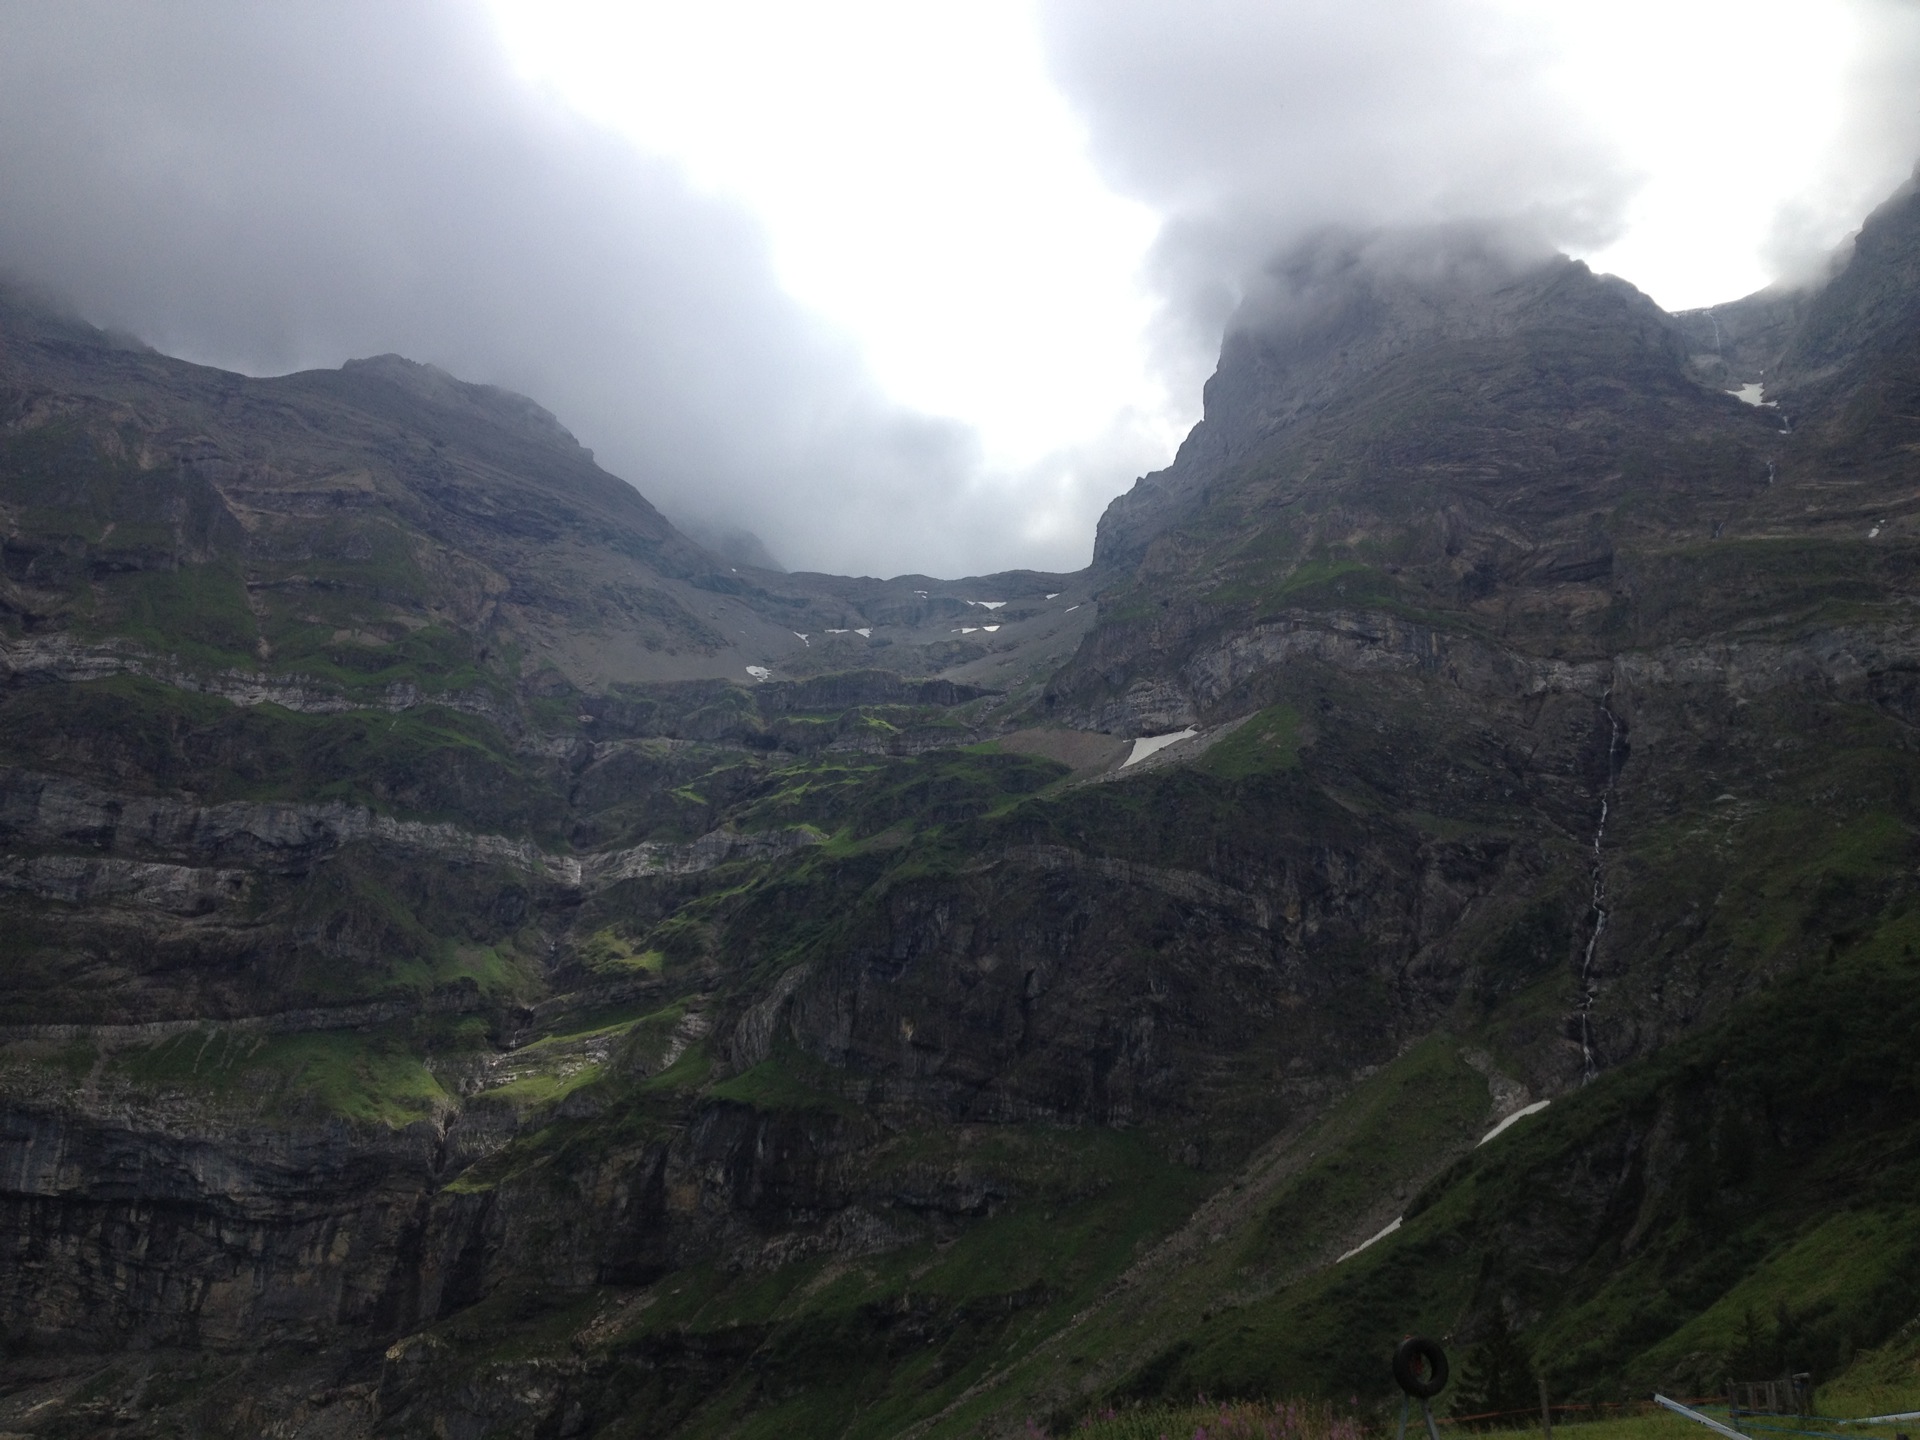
(1222, 1420)
(1397, 1127)
(1837, 1261)
(608, 952)
(866, 795)
(376, 654)
(779, 1084)
(198, 612)
(547, 1086)
(687, 1074)
(1073, 1208)
(1882, 1381)
(1775, 1159)
(373, 1078)
(1269, 741)
(1787, 582)
(1325, 578)
(428, 762)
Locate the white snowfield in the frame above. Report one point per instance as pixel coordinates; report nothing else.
(987, 604)
(1371, 1239)
(759, 672)
(1525, 1110)
(865, 632)
(1147, 744)
(990, 628)
(1751, 394)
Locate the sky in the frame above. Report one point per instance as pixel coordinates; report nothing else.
(895, 286)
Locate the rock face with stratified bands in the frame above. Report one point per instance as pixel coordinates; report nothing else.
(446, 993)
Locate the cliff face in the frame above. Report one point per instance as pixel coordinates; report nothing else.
(1853, 365)
(1377, 334)
(385, 525)
(417, 1023)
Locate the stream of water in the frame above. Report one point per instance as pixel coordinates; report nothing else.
(1598, 903)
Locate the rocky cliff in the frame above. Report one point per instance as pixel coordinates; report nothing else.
(450, 993)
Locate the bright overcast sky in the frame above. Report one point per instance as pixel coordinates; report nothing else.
(928, 188)
(923, 184)
(897, 286)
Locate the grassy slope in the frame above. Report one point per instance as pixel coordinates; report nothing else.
(995, 1322)
(991, 1311)
(1780, 1173)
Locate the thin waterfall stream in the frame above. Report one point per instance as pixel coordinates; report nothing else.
(1598, 902)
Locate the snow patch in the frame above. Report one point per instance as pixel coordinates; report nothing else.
(987, 604)
(1373, 1238)
(1070, 609)
(1147, 744)
(759, 672)
(989, 628)
(1055, 595)
(865, 632)
(804, 641)
(1525, 1110)
(1873, 532)
(836, 632)
(1751, 395)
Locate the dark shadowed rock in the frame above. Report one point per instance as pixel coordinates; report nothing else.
(448, 992)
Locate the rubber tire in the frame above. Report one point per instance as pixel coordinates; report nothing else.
(1407, 1367)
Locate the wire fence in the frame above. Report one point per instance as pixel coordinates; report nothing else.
(1596, 1410)
(1755, 1420)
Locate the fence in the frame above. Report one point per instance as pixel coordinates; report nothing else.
(1598, 1410)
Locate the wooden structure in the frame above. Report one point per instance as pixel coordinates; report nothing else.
(1788, 1395)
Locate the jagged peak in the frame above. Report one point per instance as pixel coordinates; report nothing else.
(1870, 304)
(441, 388)
(1342, 306)
(32, 312)
(1440, 265)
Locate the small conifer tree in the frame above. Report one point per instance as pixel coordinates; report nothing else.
(1497, 1376)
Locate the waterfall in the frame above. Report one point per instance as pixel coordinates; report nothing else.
(1598, 902)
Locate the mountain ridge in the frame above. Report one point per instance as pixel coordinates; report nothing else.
(912, 1064)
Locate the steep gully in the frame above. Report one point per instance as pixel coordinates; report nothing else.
(1597, 906)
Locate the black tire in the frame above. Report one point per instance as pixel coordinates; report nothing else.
(1420, 1367)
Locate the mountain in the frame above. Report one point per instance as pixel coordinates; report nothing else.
(385, 524)
(450, 993)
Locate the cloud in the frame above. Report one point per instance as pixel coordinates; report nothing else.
(1875, 140)
(1678, 126)
(1251, 125)
(269, 187)
(273, 187)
